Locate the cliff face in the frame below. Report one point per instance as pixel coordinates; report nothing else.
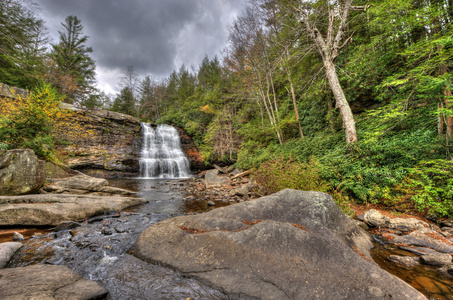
(108, 144)
(101, 143)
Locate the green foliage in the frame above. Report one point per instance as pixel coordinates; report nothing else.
(72, 58)
(431, 185)
(279, 173)
(27, 123)
(22, 39)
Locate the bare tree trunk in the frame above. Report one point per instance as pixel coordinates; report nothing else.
(448, 105)
(341, 102)
(293, 95)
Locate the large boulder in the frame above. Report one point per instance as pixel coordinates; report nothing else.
(289, 245)
(21, 172)
(52, 209)
(47, 282)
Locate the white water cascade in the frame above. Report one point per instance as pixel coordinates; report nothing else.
(162, 156)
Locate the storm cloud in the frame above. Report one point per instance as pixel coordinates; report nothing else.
(154, 36)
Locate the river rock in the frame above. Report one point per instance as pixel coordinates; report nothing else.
(52, 209)
(436, 259)
(212, 179)
(424, 238)
(17, 236)
(84, 184)
(405, 261)
(21, 172)
(375, 219)
(289, 245)
(7, 251)
(47, 282)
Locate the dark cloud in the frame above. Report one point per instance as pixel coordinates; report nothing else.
(155, 36)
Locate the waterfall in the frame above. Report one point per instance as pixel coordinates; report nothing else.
(162, 156)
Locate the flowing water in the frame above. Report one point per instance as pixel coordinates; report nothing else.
(98, 249)
(162, 155)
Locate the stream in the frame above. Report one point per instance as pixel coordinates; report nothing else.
(98, 250)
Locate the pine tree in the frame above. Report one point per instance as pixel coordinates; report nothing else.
(71, 56)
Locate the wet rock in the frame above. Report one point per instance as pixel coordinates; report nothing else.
(7, 251)
(17, 236)
(47, 282)
(436, 259)
(107, 231)
(447, 270)
(51, 209)
(417, 250)
(121, 228)
(66, 225)
(405, 261)
(269, 248)
(424, 238)
(21, 172)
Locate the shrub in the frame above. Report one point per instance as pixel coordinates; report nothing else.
(27, 123)
(430, 186)
(279, 173)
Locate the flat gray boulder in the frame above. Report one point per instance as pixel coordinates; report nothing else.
(289, 245)
(83, 184)
(47, 282)
(52, 209)
(7, 251)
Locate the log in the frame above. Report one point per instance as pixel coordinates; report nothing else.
(245, 173)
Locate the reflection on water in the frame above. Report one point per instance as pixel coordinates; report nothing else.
(424, 278)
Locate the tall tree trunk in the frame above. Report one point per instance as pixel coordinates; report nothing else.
(440, 120)
(341, 102)
(448, 105)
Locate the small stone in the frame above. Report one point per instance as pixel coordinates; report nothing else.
(405, 261)
(211, 203)
(17, 236)
(107, 231)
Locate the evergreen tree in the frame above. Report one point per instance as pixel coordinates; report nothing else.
(125, 102)
(23, 39)
(71, 56)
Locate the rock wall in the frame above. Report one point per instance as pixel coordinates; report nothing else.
(100, 143)
(192, 152)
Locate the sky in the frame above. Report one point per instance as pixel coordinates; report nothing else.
(154, 36)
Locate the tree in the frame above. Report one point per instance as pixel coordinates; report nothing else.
(71, 56)
(23, 39)
(325, 22)
(149, 100)
(125, 102)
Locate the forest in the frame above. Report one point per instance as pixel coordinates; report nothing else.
(349, 97)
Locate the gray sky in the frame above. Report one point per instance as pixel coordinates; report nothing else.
(155, 36)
